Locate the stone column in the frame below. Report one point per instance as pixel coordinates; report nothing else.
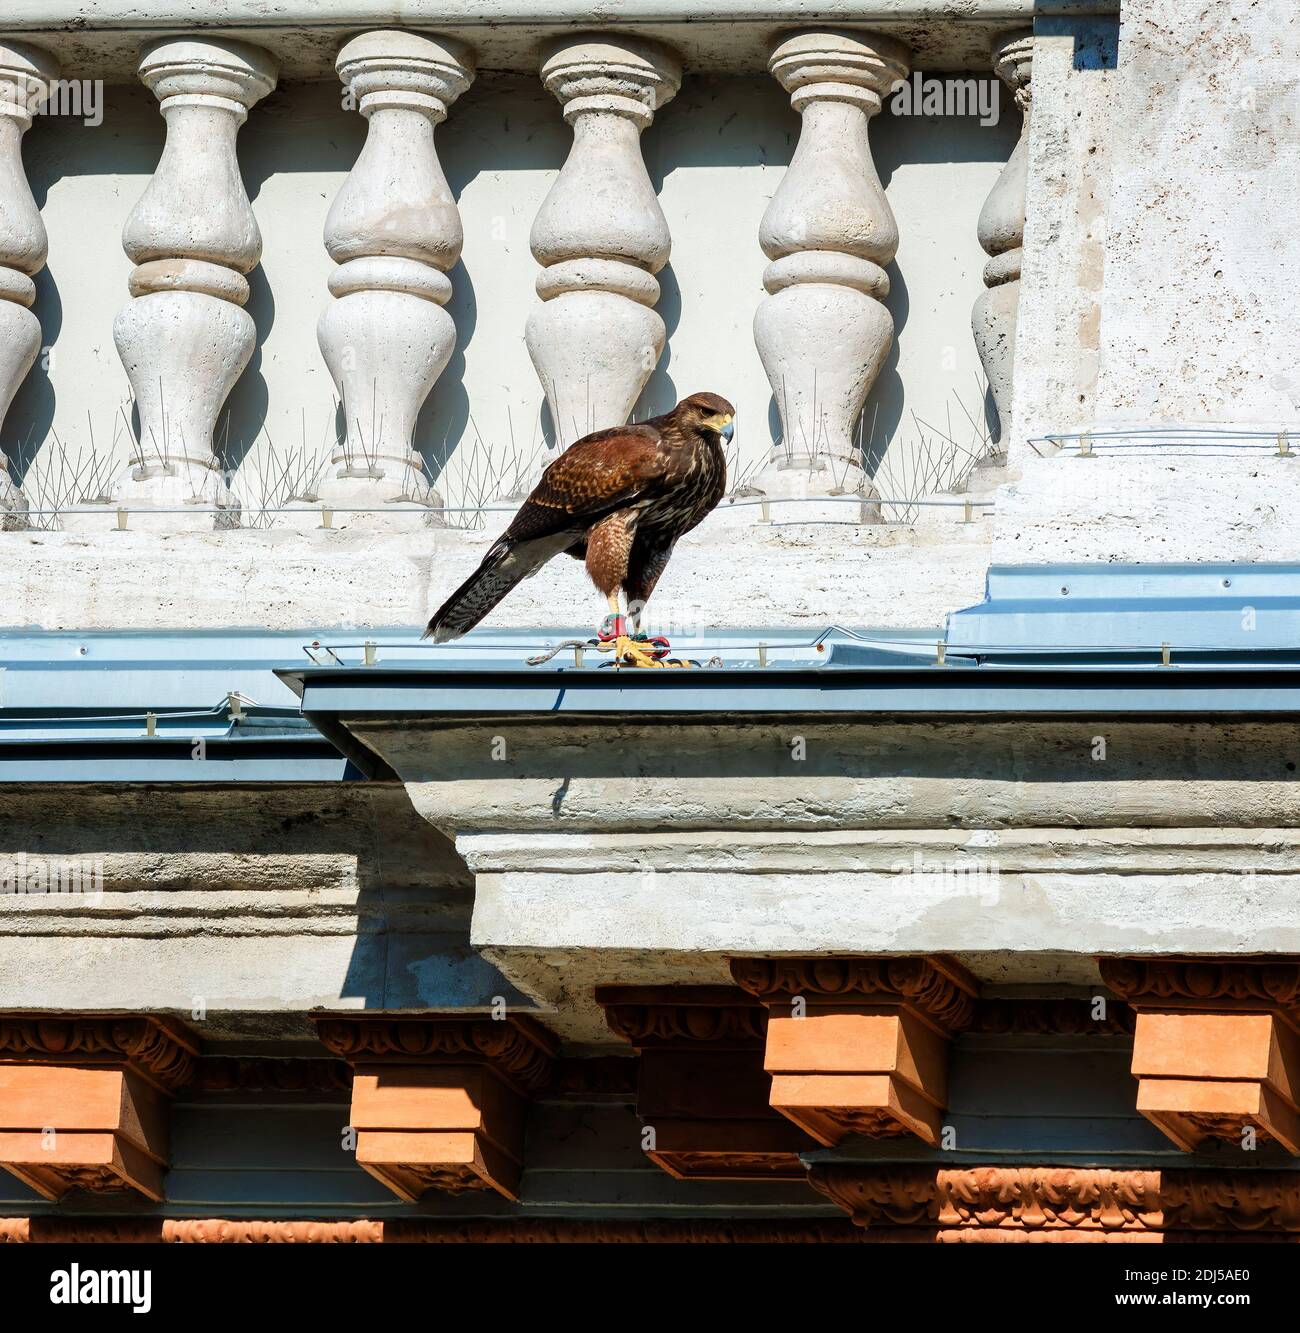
(823, 331)
(1002, 231)
(184, 337)
(600, 235)
(394, 230)
(25, 72)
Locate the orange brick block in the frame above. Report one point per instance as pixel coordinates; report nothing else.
(1211, 1075)
(858, 1069)
(446, 1127)
(711, 1118)
(66, 1127)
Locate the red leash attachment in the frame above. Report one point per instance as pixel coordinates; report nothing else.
(614, 628)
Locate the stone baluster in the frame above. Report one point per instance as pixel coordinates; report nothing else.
(184, 337)
(600, 235)
(823, 331)
(394, 231)
(25, 72)
(1001, 232)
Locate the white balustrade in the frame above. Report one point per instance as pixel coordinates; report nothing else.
(823, 332)
(394, 231)
(25, 72)
(184, 337)
(600, 234)
(1001, 231)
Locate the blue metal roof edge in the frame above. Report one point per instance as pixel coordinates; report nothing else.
(1069, 638)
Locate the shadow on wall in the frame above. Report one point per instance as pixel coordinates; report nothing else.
(503, 124)
(363, 843)
(297, 128)
(901, 142)
(529, 134)
(134, 131)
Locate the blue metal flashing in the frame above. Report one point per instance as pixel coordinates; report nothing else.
(1127, 640)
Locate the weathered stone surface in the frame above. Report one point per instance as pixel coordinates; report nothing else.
(217, 901)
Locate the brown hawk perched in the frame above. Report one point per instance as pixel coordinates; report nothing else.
(618, 499)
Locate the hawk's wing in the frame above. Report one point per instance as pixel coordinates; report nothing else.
(598, 475)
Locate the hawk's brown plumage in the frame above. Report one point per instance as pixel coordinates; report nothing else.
(617, 498)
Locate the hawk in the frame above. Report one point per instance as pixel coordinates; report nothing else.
(618, 499)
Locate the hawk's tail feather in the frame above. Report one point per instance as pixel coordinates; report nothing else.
(505, 565)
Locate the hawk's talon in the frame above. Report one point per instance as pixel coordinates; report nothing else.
(629, 652)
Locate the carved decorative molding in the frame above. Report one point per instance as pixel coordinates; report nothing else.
(823, 331)
(95, 1128)
(669, 1015)
(1064, 1199)
(1001, 231)
(395, 231)
(1216, 1047)
(1205, 982)
(439, 1103)
(223, 1231)
(216, 1074)
(600, 234)
(25, 73)
(702, 1091)
(1048, 1017)
(160, 1051)
(860, 1045)
(184, 337)
(940, 991)
(516, 1047)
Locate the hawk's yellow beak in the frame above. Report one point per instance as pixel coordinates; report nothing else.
(723, 423)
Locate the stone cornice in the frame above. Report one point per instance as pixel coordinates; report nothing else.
(161, 1051)
(515, 1047)
(939, 990)
(1260, 983)
(1064, 1199)
(717, 35)
(721, 1017)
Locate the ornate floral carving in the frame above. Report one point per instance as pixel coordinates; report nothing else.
(1051, 1018)
(515, 1046)
(939, 989)
(670, 1015)
(444, 1179)
(1151, 981)
(566, 1230)
(162, 1053)
(230, 1074)
(244, 1231)
(1063, 1198)
(993, 1196)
